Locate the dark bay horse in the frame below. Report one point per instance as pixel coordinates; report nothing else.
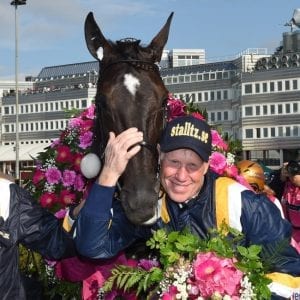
(131, 93)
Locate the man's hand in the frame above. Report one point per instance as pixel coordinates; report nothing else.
(119, 150)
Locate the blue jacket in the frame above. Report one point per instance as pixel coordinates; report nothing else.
(103, 230)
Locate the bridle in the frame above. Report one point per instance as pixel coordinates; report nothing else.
(145, 65)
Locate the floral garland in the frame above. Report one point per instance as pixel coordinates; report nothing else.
(57, 181)
(192, 268)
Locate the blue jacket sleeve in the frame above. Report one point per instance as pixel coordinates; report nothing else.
(102, 229)
(263, 225)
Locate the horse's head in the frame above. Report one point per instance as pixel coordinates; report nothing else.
(131, 93)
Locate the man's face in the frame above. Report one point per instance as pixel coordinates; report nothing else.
(182, 174)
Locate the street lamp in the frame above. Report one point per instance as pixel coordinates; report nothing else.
(16, 3)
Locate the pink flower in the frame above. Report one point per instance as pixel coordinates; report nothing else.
(85, 140)
(176, 108)
(87, 125)
(89, 113)
(214, 274)
(64, 154)
(218, 162)
(75, 122)
(79, 183)
(77, 157)
(231, 171)
(68, 178)
(55, 143)
(67, 197)
(48, 199)
(53, 175)
(148, 264)
(60, 214)
(38, 176)
(170, 294)
(218, 141)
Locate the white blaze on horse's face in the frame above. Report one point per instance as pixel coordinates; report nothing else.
(131, 83)
(100, 53)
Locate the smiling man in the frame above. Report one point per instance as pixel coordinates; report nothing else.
(194, 198)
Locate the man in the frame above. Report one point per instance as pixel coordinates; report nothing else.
(192, 199)
(24, 222)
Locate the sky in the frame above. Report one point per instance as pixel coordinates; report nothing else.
(51, 33)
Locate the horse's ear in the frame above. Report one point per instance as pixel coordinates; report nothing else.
(160, 40)
(94, 38)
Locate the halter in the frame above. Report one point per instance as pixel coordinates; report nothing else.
(141, 64)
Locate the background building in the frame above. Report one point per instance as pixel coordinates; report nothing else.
(252, 97)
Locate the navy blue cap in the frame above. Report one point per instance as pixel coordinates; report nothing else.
(187, 132)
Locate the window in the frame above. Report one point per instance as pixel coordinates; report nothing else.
(287, 131)
(225, 95)
(295, 107)
(6, 128)
(257, 88)
(212, 96)
(280, 131)
(205, 96)
(258, 133)
(279, 85)
(249, 133)
(212, 76)
(287, 108)
(257, 110)
(193, 78)
(219, 75)
(265, 132)
(265, 87)
(295, 130)
(295, 84)
(265, 109)
(272, 109)
(6, 110)
(199, 77)
(212, 117)
(187, 78)
(273, 132)
(199, 97)
(219, 116)
(83, 103)
(287, 85)
(175, 79)
(279, 108)
(206, 76)
(248, 89)
(272, 86)
(22, 109)
(225, 115)
(219, 96)
(248, 111)
(225, 75)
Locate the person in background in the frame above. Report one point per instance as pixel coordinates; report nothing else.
(23, 221)
(193, 196)
(290, 176)
(254, 175)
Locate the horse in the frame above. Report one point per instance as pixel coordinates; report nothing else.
(131, 93)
